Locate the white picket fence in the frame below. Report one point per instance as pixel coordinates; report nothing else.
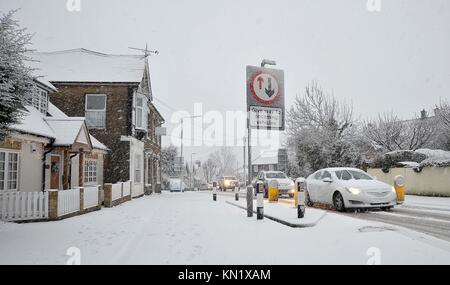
(90, 197)
(116, 191)
(126, 189)
(120, 190)
(23, 206)
(68, 202)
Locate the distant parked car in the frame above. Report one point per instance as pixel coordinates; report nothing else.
(347, 188)
(228, 182)
(176, 185)
(286, 186)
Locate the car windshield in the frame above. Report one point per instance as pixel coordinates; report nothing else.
(275, 175)
(352, 174)
(230, 178)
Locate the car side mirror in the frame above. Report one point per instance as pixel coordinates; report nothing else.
(327, 180)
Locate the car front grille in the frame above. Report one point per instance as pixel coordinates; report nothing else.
(378, 194)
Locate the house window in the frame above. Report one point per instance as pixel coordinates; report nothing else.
(141, 111)
(138, 168)
(9, 170)
(90, 171)
(96, 111)
(39, 100)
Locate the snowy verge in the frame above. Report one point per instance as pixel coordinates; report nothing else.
(286, 215)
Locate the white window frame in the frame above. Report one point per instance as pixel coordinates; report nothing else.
(90, 171)
(39, 100)
(95, 110)
(138, 168)
(141, 124)
(6, 170)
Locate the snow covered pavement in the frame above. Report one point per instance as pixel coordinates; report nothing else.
(189, 228)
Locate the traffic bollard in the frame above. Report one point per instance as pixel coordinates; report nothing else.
(214, 191)
(260, 200)
(273, 191)
(236, 193)
(250, 201)
(301, 188)
(399, 186)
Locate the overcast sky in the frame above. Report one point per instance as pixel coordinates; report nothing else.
(396, 59)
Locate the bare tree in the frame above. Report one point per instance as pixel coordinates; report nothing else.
(321, 130)
(385, 131)
(226, 160)
(319, 110)
(210, 169)
(391, 133)
(443, 114)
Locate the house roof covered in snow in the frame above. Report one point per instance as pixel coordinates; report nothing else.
(56, 113)
(68, 131)
(266, 160)
(32, 122)
(82, 65)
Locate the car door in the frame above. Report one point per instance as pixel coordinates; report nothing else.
(312, 186)
(324, 188)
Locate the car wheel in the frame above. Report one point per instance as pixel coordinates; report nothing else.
(308, 201)
(338, 202)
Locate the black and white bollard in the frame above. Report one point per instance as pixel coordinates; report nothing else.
(236, 193)
(214, 191)
(260, 201)
(249, 201)
(301, 188)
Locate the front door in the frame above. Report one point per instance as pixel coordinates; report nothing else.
(55, 172)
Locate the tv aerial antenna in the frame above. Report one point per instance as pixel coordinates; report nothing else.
(146, 51)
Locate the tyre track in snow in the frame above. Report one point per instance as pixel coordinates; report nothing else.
(428, 220)
(433, 224)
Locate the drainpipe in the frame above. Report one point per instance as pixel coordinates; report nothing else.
(44, 158)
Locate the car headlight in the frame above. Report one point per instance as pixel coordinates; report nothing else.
(354, 191)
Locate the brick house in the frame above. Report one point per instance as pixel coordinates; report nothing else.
(114, 93)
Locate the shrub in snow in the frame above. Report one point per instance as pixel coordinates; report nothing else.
(396, 158)
(435, 162)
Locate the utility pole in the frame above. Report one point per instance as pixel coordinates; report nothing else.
(181, 157)
(192, 172)
(249, 150)
(182, 138)
(245, 176)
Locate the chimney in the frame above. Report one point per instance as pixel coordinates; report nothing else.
(423, 114)
(437, 111)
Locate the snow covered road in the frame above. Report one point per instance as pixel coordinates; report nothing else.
(428, 215)
(189, 228)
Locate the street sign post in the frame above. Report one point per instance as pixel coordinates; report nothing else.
(265, 98)
(265, 103)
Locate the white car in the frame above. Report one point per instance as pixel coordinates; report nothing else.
(348, 188)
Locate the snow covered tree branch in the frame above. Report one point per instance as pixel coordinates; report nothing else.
(15, 77)
(322, 131)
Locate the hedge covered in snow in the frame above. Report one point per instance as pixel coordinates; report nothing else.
(412, 159)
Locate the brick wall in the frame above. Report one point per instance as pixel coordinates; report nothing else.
(71, 100)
